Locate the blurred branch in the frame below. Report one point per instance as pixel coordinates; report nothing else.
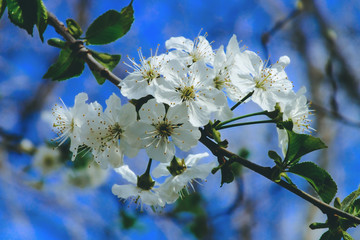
(82, 50)
(266, 172)
(336, 115)
(349, 80)
(265, 37)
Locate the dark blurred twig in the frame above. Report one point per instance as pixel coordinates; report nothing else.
(348, 80)
(265, 37)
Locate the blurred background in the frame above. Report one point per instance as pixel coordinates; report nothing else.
(43, 195)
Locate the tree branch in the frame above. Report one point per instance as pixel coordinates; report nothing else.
(266, 172)
(89, 59)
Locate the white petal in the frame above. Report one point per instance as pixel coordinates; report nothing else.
(200, 171)
(186, 137)
(192, 159)
(161, 170)
(152, 112)
(161, 151)
(180, 43)
(127, 174)
(124, 191)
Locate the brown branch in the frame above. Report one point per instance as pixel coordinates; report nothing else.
(266, 172)
(82, 50)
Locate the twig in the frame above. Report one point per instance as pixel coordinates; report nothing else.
(82, 50)
(266, 172)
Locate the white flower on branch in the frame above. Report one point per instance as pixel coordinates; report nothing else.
(106, 132)
(141, 195)
(183, 173)
(296, 110)
(159, 130)
(146, 76)
(191, 87)
(270, 84)
(68, 122)
(191, 51)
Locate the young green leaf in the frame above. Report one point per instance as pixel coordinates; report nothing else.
(67, 65)
(107, 60)
(56, 42)
(347, 236)
(2, 7)
(227, 176)
(299, 145)
(74, 28)
(274, 156)
(349, 200)
(42, 17)
(110, 26)
(318, 178)
(354, 209)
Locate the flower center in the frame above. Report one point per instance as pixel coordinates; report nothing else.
(115, 131)
(218, 82)
(164, 129)
(265, 77)
(187, 93)
(150, 74)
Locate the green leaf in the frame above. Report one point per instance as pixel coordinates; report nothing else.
(26, 13)
(128, 221)
(318, 178)
(42, 18)
(349, 200)
(2, 7)
(74, 28)
(191, 203)
(23, 13)
(299, 145)
(110, 26)
(83, 158)
(227, 176)
(67, 65)
(354, 209)
(347, 236)
(330, 236)
(274, 156)
(107, 60)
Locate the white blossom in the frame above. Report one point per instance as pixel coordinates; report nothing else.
(47, 159)
(296, 110)
(68, 122)
(270, 84)
(106, 132)
(146, 76)
(150, 197)
(182, 172)
(191, 51)
(192, 87)
(159, 130)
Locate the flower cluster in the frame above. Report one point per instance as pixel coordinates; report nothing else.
(173, 94)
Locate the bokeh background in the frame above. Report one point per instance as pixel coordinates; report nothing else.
(321, 38)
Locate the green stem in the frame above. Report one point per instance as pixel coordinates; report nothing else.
(245, 123)
(148, 167)
(240, 117)
(242, 100)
